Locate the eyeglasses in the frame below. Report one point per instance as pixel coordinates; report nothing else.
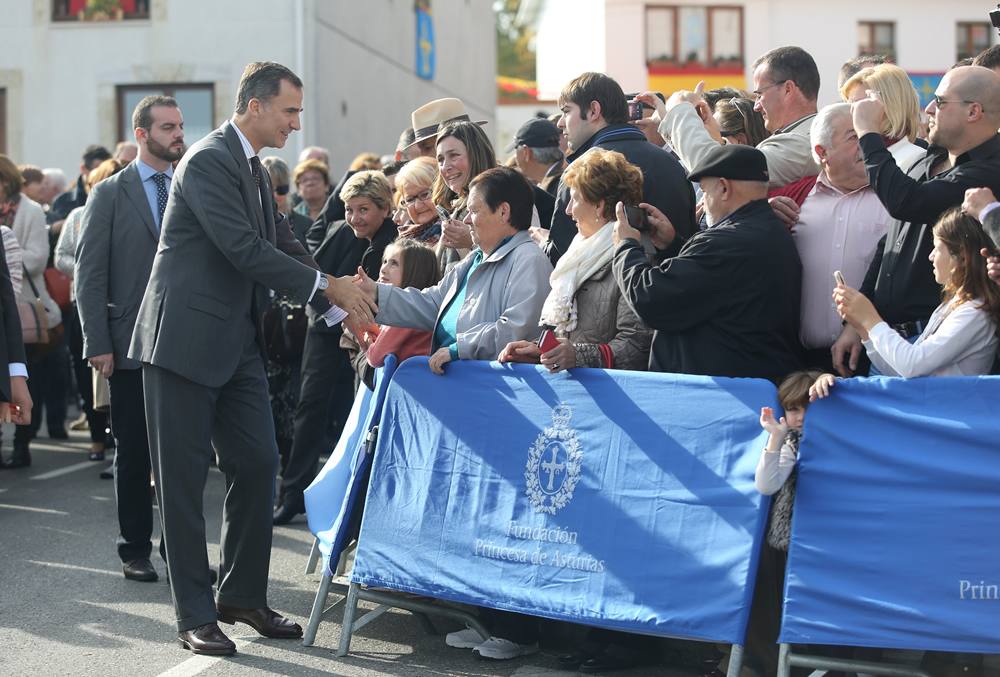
(419, 197)
(758, 93)
(281, 190)
(938, 101)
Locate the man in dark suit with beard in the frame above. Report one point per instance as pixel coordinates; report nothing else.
(117, 243)
(221, 249)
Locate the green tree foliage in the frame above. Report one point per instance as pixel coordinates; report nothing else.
(515, 44)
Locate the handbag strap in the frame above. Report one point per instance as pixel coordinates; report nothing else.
(34, 289)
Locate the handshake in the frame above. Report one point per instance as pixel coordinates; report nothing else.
(357, 296)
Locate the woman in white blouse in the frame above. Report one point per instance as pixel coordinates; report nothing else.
(961, 336)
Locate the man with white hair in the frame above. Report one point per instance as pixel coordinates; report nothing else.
(55, 182)
(839, 226)
(315, 153)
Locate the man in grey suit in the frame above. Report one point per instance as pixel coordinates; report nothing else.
(221, 249)
(118, 237)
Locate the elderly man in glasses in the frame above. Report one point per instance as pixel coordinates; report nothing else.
(786, 84)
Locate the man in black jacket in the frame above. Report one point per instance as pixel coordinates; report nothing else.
(728, 303)
(595, 113)
(965, 153)
(327, 377)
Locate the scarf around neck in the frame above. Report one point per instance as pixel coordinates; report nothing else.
(585, 256)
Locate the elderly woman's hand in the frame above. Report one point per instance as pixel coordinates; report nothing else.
(520, 351)
(559, 358)
(855, 307)
(439, 359)
(456, 234)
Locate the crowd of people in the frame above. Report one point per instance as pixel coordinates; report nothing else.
(720, 232)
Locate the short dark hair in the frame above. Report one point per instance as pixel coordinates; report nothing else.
(601, 88)
(503, 184)
(261, 80)
(795, 64)
(988, 58)
(858, 64)
(31, 174)
(392, 168)
(142, 116)
(94, 155)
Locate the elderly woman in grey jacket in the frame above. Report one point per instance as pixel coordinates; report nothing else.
(494, 295)
(594, 324)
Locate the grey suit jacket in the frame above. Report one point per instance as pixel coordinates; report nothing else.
(219, 253)
(991, 224)
(117, 243)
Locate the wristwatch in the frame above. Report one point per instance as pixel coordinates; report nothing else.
(324, 282)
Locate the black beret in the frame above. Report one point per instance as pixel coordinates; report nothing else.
(732, 161)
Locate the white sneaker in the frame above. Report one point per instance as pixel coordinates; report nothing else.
(500, 649)
(464, 639)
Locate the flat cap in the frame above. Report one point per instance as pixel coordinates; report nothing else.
(732, 161)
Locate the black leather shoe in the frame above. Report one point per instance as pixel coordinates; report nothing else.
(265, 621)
(207, 640)
(287, 511)
(140, 570)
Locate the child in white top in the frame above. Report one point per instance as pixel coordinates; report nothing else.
(960, 338)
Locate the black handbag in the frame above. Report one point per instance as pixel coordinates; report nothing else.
(284, 326)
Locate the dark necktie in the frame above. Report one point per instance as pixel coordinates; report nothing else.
(160, 179)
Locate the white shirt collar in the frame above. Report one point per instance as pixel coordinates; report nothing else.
(247, 148)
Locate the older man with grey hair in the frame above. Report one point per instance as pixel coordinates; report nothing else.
(840, 223)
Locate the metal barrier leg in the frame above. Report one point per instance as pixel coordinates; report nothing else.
(309, 636)
(784, 669)
(313, 557)
(347, 625)
(735, 661)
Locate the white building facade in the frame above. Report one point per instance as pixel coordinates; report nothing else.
(72, 70)
(664, 46)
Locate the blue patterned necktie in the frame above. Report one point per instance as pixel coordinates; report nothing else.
(160, 179)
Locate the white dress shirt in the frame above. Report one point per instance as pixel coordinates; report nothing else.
(335, 314)
(836, 231)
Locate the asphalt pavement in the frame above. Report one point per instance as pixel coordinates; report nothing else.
(66, 609)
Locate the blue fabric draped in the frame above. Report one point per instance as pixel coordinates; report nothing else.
(331, 497)
(619, 499)
(896, 527)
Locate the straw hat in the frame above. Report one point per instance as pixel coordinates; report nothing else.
(430, 117)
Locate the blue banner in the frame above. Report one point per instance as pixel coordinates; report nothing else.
(894, 534)
(331, 497)
(618, 499)
(425, 45)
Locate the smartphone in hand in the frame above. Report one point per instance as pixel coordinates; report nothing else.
(636, 218)
(838, 277)
(547, 341)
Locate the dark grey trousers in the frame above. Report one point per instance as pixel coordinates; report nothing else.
(188, 423)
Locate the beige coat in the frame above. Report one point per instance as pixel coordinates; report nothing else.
(603, 316)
